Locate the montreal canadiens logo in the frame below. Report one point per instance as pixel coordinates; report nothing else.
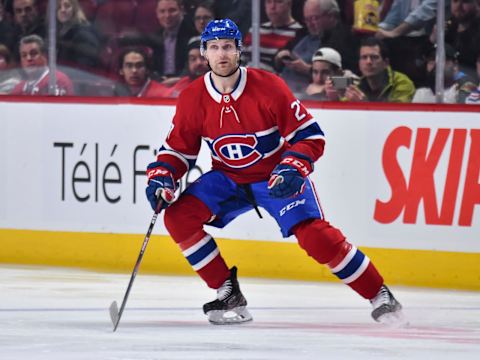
(237, 151)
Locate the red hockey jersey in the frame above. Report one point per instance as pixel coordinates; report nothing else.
(246, 130)
(40, 85)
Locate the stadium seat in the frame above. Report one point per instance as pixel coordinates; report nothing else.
(115, 17)
(145, 19)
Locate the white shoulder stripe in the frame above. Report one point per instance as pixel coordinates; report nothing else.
(301, 127)
(267, 132)
(189, 157)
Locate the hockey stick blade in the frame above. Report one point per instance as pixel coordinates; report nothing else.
(114, 315)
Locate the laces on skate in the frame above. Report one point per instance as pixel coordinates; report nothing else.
(386, 309)
(230, 306)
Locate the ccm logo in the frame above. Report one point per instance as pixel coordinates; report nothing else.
(435, 177)
(291, 206)
(157, 172)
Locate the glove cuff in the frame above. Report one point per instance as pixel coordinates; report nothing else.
(304, 167)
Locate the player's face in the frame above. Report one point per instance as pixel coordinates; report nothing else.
(31, 57)
(197, 65)
(222, 56)
(371, 62)
(134, 70)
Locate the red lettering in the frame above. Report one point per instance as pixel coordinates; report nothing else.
(422, 183)
(453, 177)
(387, 212)
(471, 192)
(421, 188)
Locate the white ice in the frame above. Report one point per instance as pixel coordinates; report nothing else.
(55, 313)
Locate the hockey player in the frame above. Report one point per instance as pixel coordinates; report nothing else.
(263, 144)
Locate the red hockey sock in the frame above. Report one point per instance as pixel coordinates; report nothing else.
(328, 245)
(184, 220)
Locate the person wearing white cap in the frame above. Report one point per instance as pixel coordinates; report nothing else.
(326, 62)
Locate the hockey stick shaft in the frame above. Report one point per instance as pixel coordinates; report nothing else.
(115, 314)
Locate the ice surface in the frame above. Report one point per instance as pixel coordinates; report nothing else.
(55, 313)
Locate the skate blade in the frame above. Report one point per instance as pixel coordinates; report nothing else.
(230, 317)
(394, 319)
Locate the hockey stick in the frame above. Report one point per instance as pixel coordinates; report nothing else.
(116, 315)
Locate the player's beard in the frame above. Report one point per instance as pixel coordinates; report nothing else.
(237, 65)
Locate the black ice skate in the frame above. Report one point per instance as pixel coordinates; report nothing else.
(230, 306)
(386, 309)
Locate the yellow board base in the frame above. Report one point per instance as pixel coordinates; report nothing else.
(119, 252)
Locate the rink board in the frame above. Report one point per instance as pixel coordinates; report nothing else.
(402, 185)
(119, 252)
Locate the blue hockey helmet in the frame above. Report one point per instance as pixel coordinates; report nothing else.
(220, 29)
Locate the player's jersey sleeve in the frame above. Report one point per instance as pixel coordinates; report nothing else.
(181, 147)
(296, 124)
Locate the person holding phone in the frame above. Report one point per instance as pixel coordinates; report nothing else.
(378, 82)
(327, 63)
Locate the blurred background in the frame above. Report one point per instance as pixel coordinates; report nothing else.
(424, 51)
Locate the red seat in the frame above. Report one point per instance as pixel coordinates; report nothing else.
(115, 17)
(145, 19)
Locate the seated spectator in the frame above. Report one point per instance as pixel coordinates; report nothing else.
(196, 66)
(378, 82)
(274, 34)
(405, 30)
(457, 85)
(324, 29)
(78, 44)
(134, 70)
(9, 76)
(204, 12)
(33, 58)
(7, 31)
(474, 96)
(462, 32)
(326, 62)
(240, 11)
(27, 21)
(169, 44)
(407, 17)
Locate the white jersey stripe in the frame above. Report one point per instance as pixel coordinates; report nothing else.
(301, 127)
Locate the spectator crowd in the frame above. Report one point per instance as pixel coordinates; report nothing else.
(336, 50)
